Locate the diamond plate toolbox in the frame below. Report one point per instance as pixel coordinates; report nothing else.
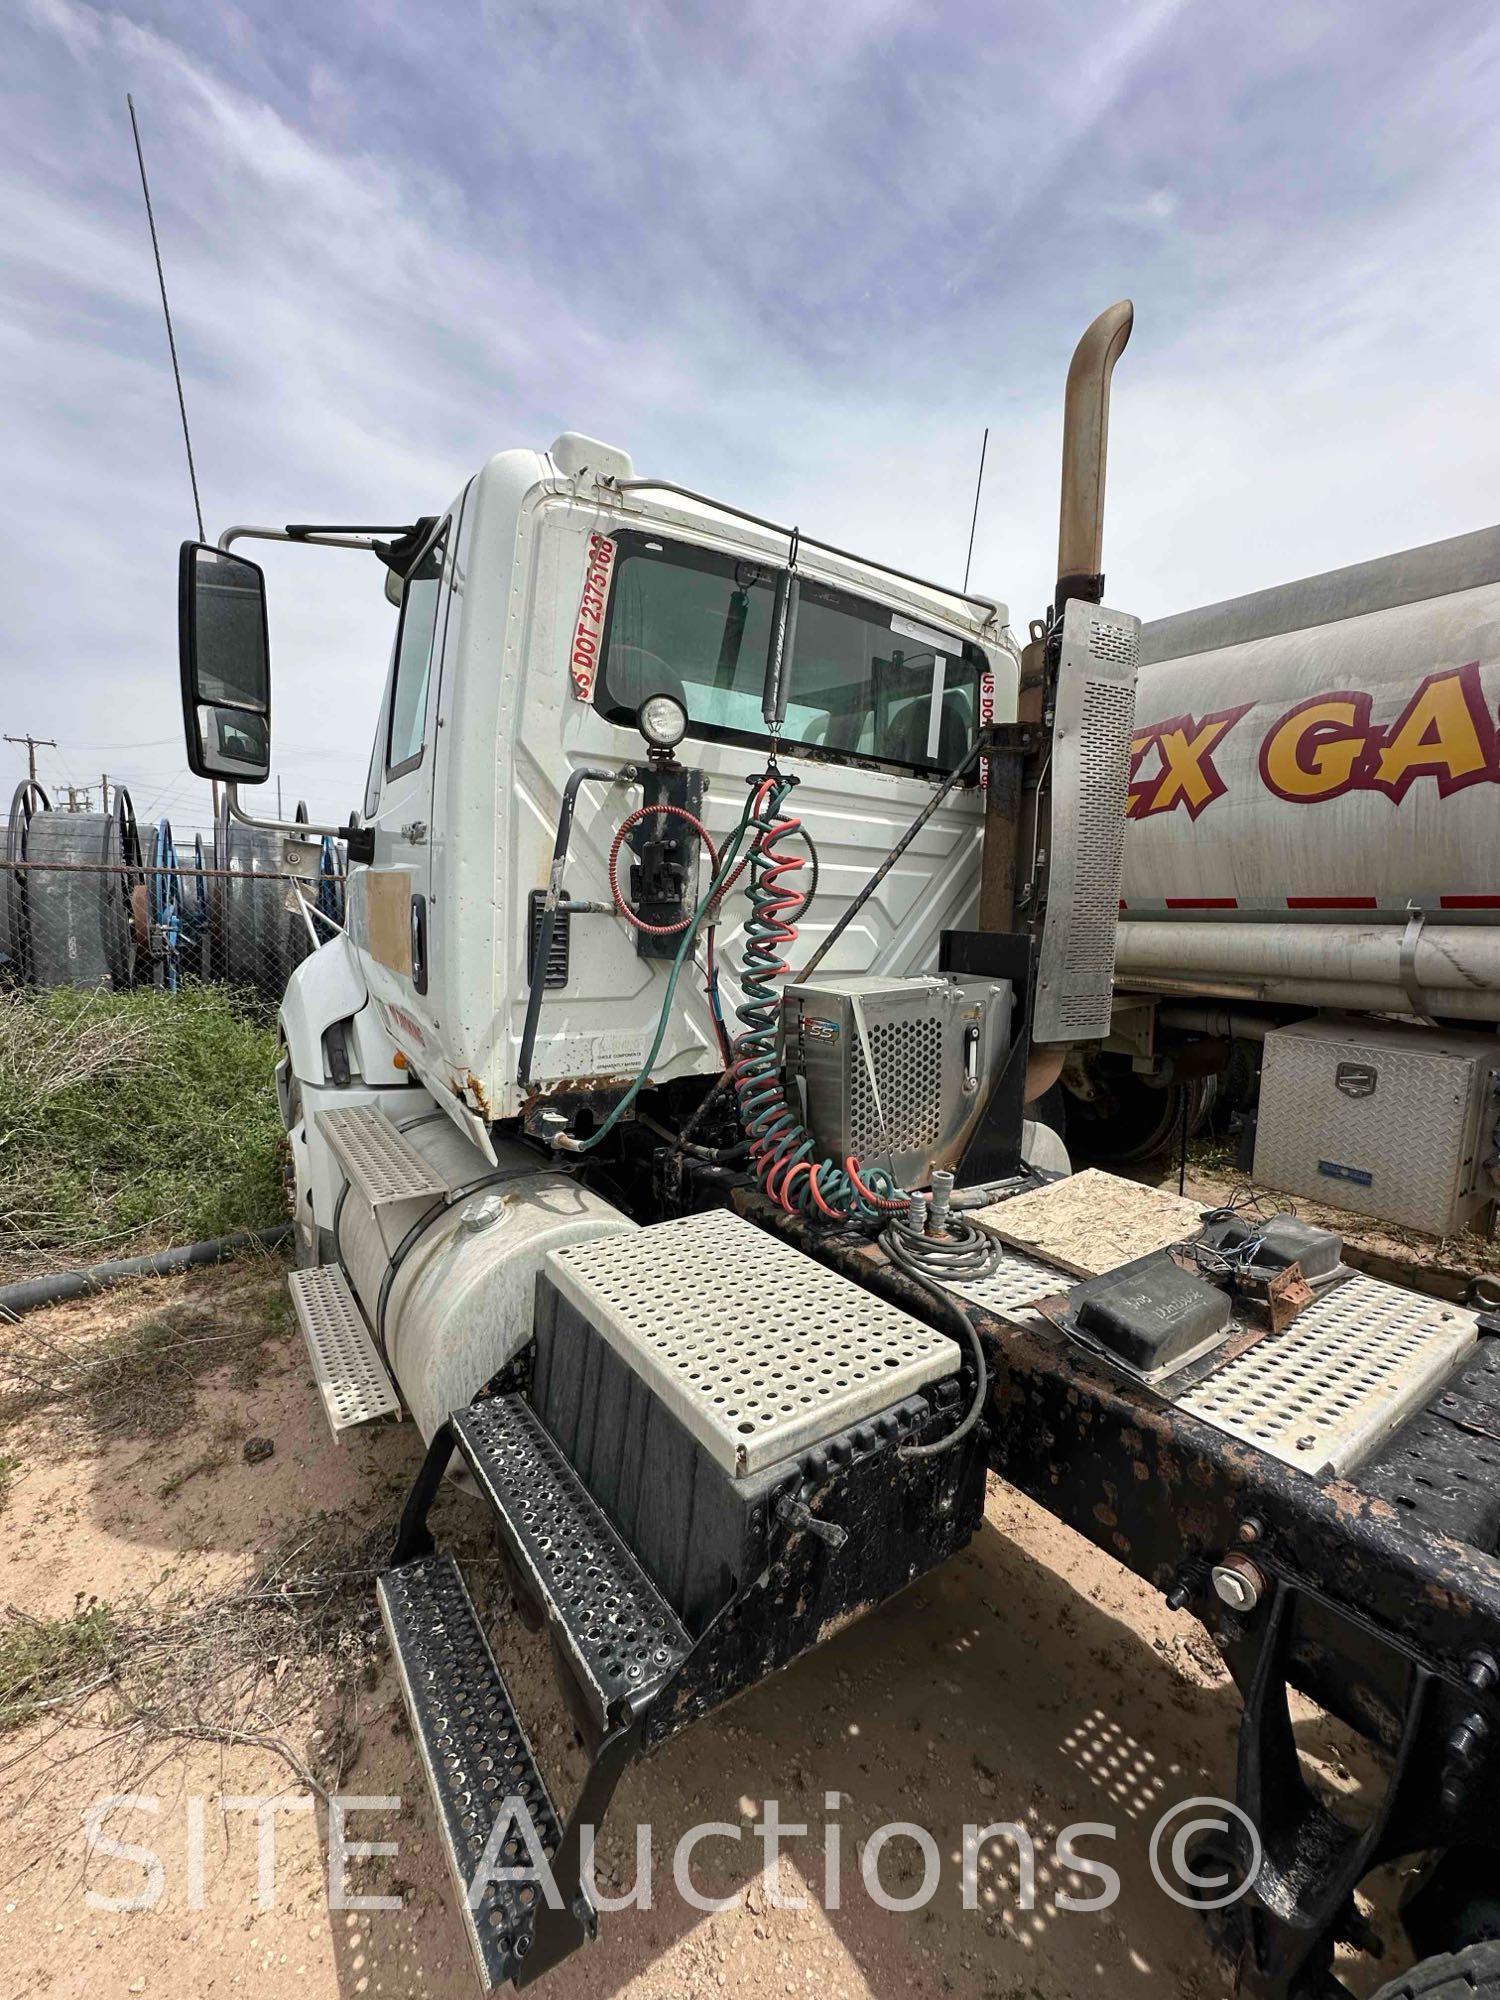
(1392, 1122)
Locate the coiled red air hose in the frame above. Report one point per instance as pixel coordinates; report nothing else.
(782, 1150)
(633, 819)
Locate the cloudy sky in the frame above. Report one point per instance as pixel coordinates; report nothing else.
(796, 256)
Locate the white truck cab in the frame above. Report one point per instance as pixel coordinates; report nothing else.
(592, 674)
(552, 598)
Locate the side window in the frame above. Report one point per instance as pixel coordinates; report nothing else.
(419, 610)
(377, 750)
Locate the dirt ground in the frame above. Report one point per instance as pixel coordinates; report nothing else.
(1032, 1680)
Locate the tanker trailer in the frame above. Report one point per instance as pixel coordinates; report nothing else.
(1314, 828)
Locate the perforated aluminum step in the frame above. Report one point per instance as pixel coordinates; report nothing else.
(1011, 1287)
(380, 1161)
(1323, 1395)
(351, 1375)
(757, 1348)
(618, 1631)
(479, 1765)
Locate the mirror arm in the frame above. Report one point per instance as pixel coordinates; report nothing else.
(244, 532)
(302, 827)
(313, 536)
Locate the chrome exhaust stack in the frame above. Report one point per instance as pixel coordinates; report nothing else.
(1056, 792)
(1080, 529)
(1079, 674)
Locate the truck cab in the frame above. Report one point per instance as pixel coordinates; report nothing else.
(718, 904)
(551, 599)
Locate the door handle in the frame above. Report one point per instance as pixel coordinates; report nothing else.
(419, 943)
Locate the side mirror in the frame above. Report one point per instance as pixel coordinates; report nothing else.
(225, 659)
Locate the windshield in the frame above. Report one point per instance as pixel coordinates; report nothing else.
(864, 680)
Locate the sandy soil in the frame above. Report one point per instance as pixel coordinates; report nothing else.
(1032, 1680)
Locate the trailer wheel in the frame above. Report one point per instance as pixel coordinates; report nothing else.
(1127, 1120)
(1452, 1975)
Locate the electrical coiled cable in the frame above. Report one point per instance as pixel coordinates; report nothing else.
(967, 1252)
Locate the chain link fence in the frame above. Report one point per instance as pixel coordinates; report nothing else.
(139, 982)
(89, 900)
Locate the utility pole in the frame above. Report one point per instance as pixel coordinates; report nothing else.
(33, 744)
(73, 805)
(104, 788)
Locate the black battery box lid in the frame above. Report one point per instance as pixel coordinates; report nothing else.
(1150, 1314)
(1281, 1241)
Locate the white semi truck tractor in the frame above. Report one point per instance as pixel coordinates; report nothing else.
(717, 902)
(1312, 886)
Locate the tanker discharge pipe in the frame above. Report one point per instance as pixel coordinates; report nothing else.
(1449, 970)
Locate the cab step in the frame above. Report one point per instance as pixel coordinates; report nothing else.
(615, 1628)
(351, 1375)
(479, 1765)
(380, 1161)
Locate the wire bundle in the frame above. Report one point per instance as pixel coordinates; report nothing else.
(781, 1147)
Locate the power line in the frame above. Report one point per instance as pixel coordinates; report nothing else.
(166, 315)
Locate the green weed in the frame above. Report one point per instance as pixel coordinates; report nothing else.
(133, 1120)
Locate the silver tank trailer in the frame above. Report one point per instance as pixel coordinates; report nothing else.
(1315, 792)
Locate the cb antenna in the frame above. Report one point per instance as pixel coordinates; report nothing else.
(166, 314)
(978, 483)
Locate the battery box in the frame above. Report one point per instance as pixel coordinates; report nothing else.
(1150, 1315)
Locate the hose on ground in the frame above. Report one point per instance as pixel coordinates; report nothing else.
(28, 1294)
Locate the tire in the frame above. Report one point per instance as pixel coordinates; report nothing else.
(1130, 1121)
(1453, 1975)
(1051, 1108)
